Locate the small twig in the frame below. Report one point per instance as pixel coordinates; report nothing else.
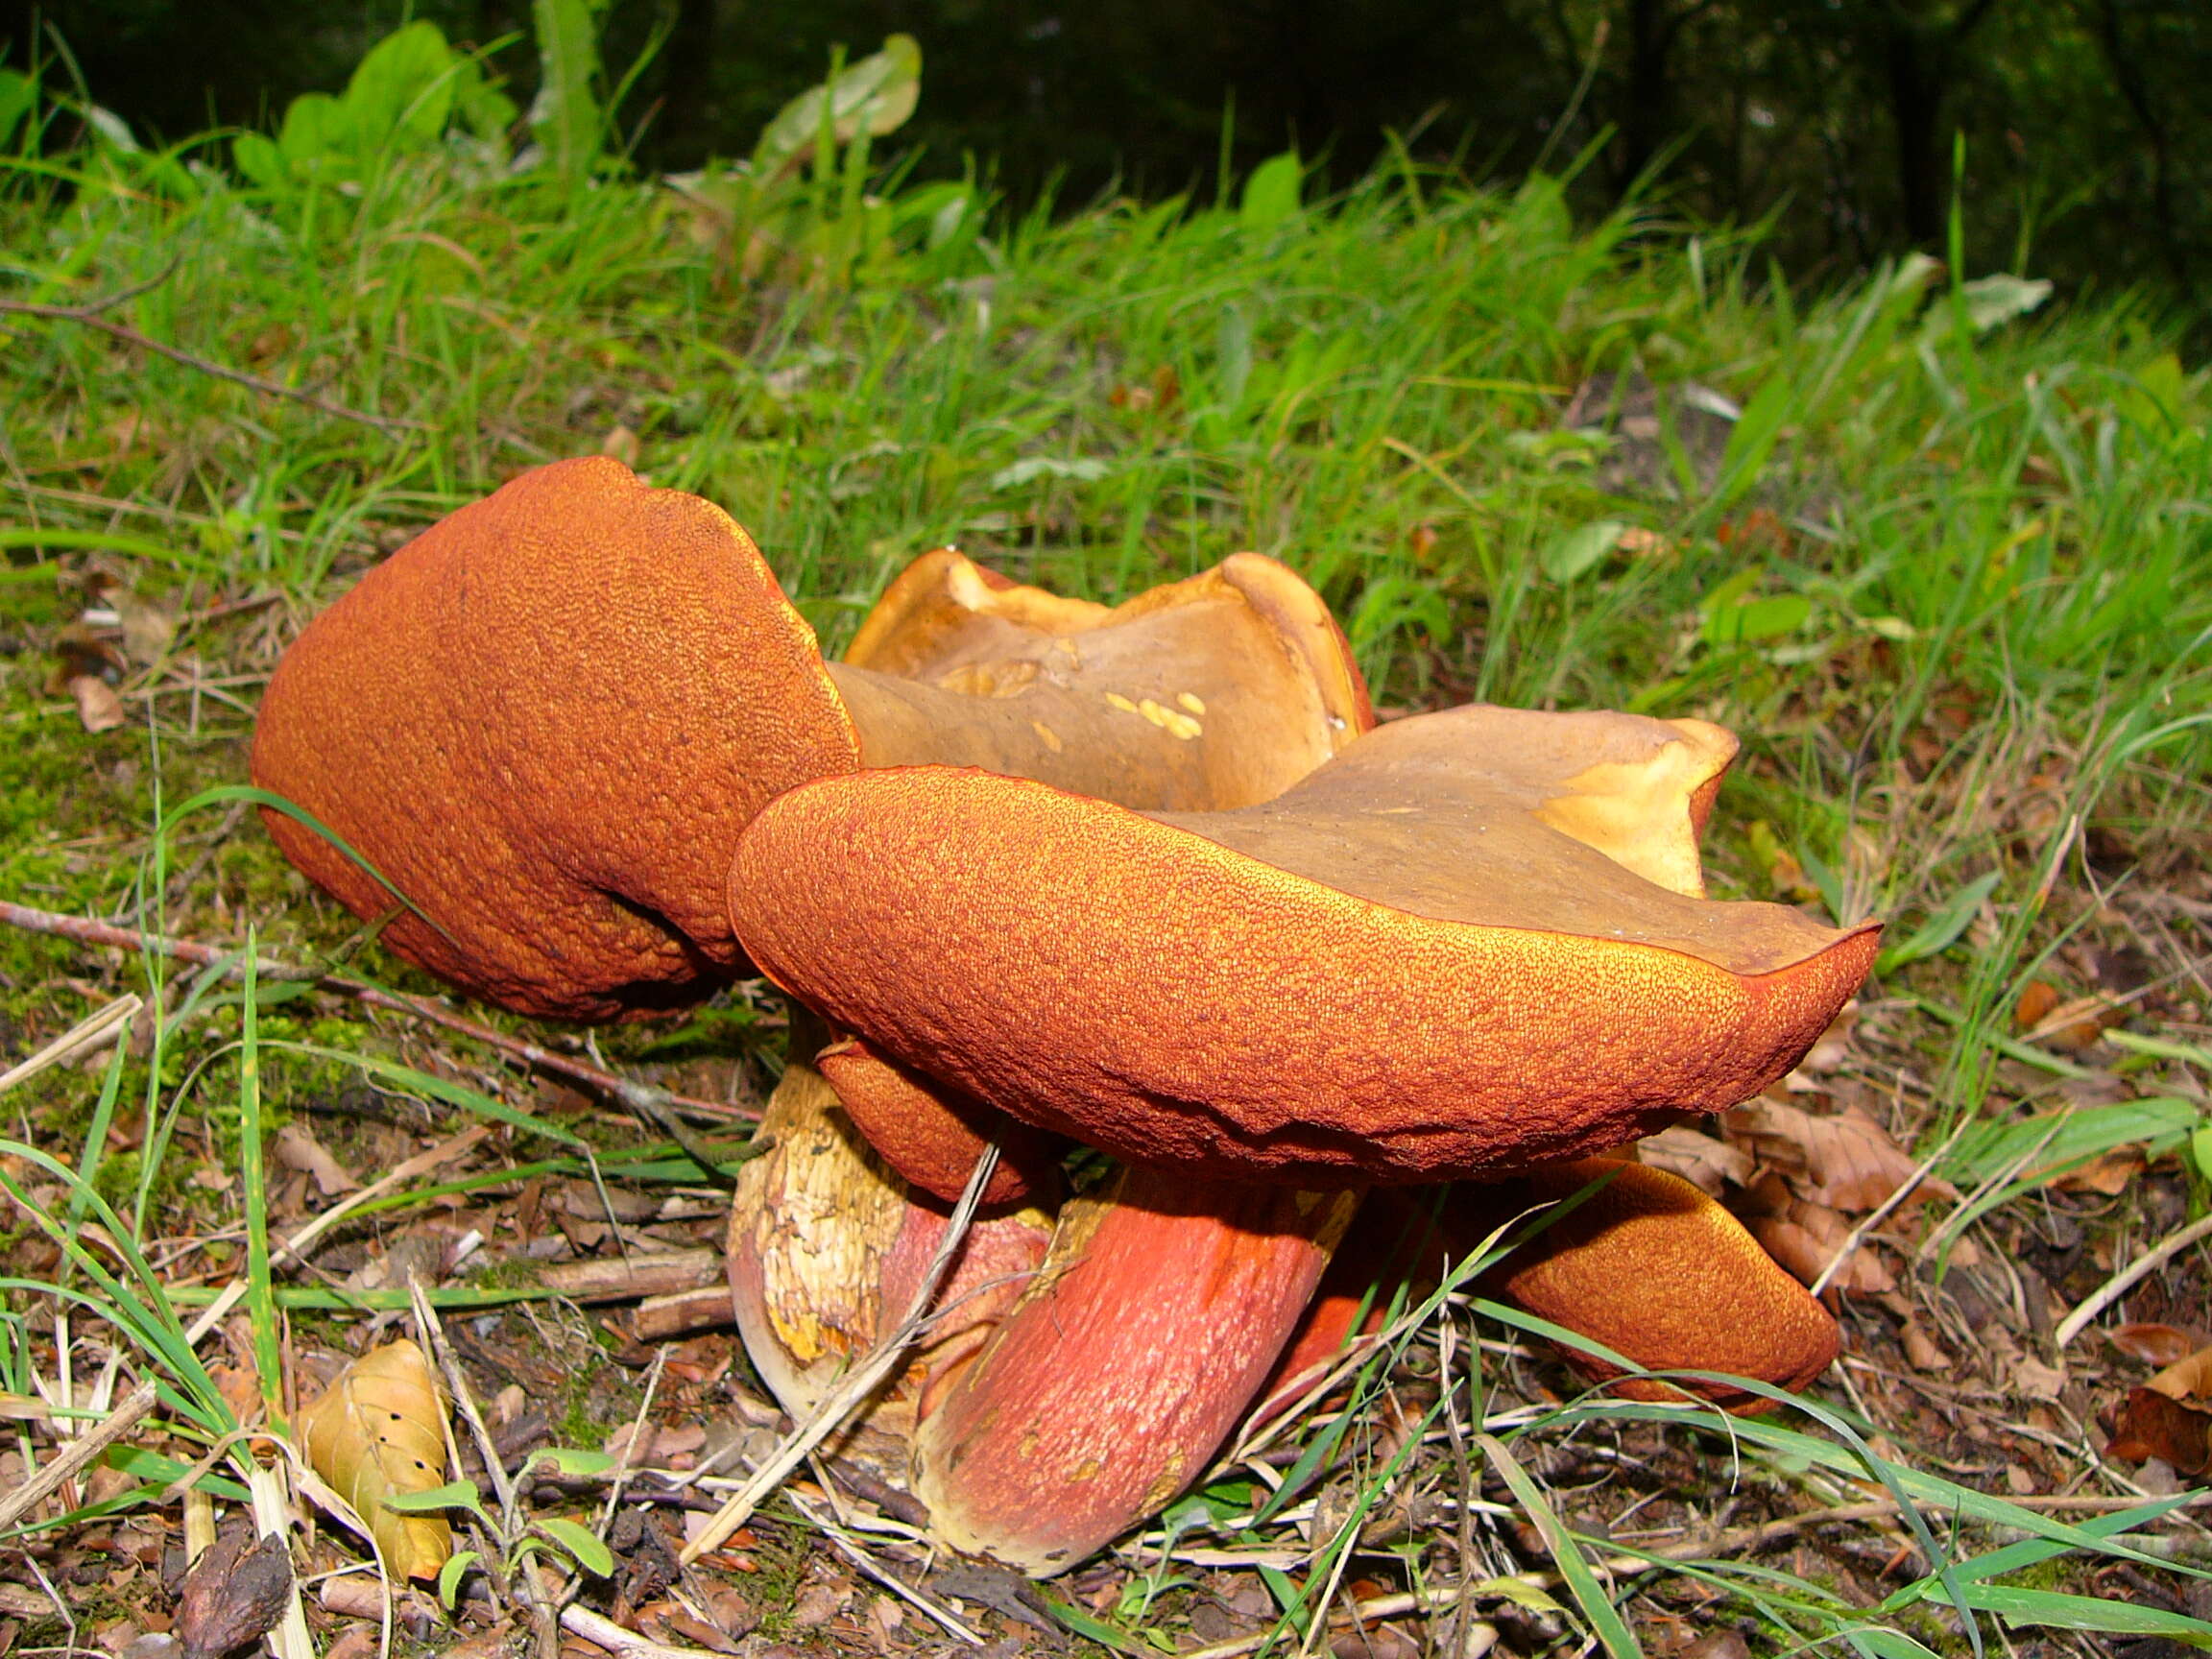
(86, 1448)
(641, 1098)
(89, 315)
(2117, 1287)
(630, 1447)
(850, 1546)
(95, 1031)
(603, 1632)
(857, 1383)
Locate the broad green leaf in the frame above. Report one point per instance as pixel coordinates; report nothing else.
(1580, 550)
(1882, 1642)
(1755, 619)
(878, 94)
(1730, 591)
(402, 93)
(580, 1541)
(573, 1460)
(452, 1495)
(1088, 1625)
(256, 156)
(564, 117)
(2053, 1142)
(449, 1575)
(2050, 1610)
(1271, 195)
(1752, 442)
(1943, 926)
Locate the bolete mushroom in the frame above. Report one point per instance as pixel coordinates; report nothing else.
(828, 1247)
(1395, 970)
(1164, 1298)
(1588, 816)
(544, 721)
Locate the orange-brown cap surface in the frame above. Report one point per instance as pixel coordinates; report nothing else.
(1654, 1269)
(1395, 970)
(544, 721)
(932, 1135)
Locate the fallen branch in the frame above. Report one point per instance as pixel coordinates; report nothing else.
(654, 1104)
(89, 315)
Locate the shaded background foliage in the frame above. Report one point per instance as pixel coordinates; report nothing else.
(2086, 128)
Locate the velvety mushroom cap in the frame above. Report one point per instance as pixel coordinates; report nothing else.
(1655, 1270)
(1395, 970)
(1219, 690)
(1648, 1266)
(932, 1135)
(544, 721)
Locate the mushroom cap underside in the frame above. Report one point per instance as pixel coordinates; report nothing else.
(949, 621)
(1218, 691)
(1383, 975)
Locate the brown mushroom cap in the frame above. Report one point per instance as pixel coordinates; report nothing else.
(1219, 690)
(1648, 1266)
(1655, 1270)
(544, 721)
(932, 1135)
(1395, 970)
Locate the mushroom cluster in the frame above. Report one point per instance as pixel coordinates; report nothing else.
(1042, 874)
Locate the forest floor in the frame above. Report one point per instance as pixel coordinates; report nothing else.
(1939, 550)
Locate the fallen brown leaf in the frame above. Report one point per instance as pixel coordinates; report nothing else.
(1845, 1160)
(297, 1149)
(1922, 1352)
(2156, 1344)
(2108, 1174)
(98, 707)
(1804, 1236)
(2036, 1002)
(2170, 1416)
(1699, 1159)
(381, 1428)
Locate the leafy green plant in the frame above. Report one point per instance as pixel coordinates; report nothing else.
(411, 95)
(801, 203)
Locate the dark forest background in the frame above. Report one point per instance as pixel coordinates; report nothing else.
(2085, 125)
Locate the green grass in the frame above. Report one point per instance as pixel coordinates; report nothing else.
(1952, 582)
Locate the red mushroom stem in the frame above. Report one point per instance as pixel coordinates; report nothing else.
(1105, 1391)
